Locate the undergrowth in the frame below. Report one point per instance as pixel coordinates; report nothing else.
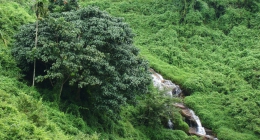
(210, 48)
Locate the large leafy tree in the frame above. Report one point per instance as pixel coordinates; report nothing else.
(89, 49)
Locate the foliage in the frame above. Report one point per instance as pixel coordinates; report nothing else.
(63, 5)
(166, 134)
(90, 49)
(146, 120)
(156, 109)
(12, 17)
(40, 8)
(24, 116)
(7, 64)
(208, 47)
(151, 115)
(213, 56)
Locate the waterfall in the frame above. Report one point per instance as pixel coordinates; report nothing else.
(170, 124)
(174, 90)
(166, 85)
(200, 130)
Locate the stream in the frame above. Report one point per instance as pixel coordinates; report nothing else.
(191, 118)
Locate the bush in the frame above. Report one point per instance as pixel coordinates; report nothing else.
(12, 17)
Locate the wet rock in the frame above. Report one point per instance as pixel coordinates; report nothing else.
(166, 85)
(177, 91)
(193, 120)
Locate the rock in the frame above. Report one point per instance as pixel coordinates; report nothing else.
(180, 105)
(186, 113)
(177, 90)
(194, 122)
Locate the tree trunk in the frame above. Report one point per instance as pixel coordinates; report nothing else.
(34, 65)
(35, 46)
(61, 87)
(78, 94)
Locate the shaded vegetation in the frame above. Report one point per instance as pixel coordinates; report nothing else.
(89, 50)
(210, 48)
(25, 116)
(34, 113)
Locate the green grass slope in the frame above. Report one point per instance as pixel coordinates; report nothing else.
(12, 16)
(210, 48)
(23, 115)
(33, 113)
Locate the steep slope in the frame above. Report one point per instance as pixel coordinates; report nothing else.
(33, 113)
(23, 114)
(210, 48)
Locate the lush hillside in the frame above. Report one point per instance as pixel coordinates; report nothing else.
(210, 48)
(23, 114)
(39, 112)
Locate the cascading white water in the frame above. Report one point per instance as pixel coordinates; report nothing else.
(172, 89)
(170, 124)
(157, 81)
(200, 129)
(167, 85)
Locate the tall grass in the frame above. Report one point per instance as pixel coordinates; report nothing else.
(210, 48)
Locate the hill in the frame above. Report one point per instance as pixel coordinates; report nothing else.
(210, 48)
(38, 112)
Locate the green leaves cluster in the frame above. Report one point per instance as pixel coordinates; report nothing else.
(25, 116)
(208, 47)
(12, 16)
(63, 5)
(88, 49)
(155, 109)
(8, 66)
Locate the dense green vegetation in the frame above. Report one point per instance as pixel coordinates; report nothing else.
(210, 48)
(9, 12)
(91, 51)
(41, 113)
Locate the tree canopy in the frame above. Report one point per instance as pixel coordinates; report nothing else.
(63, 5)
(89, 49)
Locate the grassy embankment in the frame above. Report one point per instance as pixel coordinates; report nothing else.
(23, 114)
(210, 48)
(33, 113)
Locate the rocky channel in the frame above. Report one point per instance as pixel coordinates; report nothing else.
(191, 118)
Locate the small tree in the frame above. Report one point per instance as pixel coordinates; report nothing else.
(89, 49)
(40, 12)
